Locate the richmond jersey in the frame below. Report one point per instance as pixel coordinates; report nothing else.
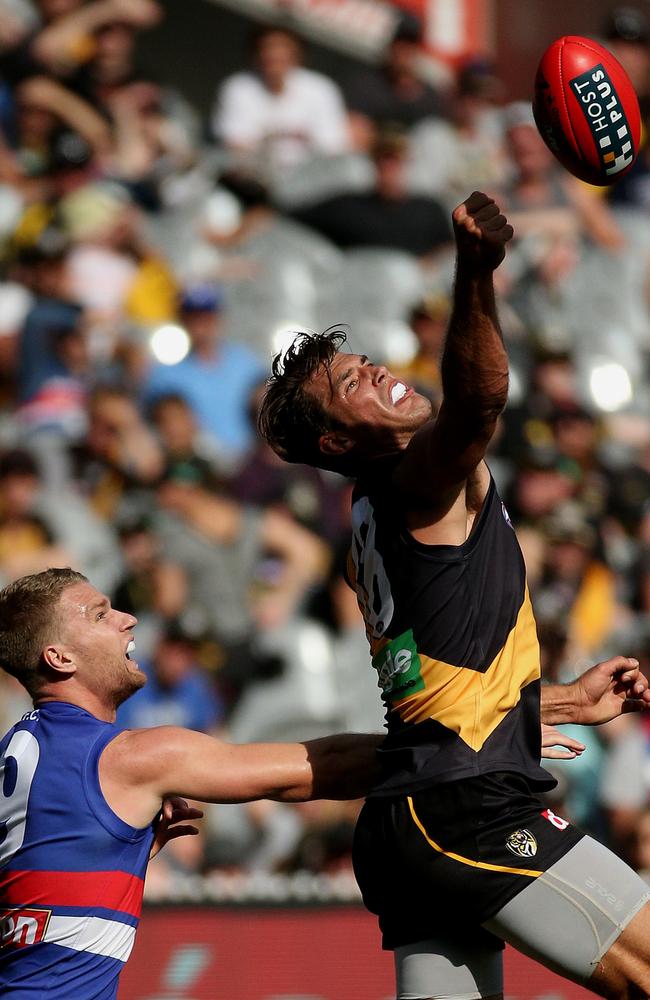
(454, 644)
(71, 872)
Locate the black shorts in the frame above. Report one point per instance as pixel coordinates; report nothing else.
(451, 856)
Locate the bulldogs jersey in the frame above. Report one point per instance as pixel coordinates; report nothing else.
(71, 872)
(454, 643)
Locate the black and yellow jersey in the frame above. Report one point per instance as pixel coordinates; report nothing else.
(454, 643)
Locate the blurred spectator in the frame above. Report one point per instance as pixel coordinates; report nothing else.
(626, 33)
(388, 216)
(58, 405)
(43, 527)
(120, 458)
(183, 444)
(15, 303)
(428, 321)
(26, 543)
(177, 692)
(152, 588)
(113, 271)
(547, 206)
(633, 189)
(60, 38)
(326, 841)
(156, 132)
(251, 837)
(222, 544)
(53, 141)
(44, 270)
(463, 152)
(311, 497)
(280, 113)
(542, 482)
(273, 268)
(577, 586)
(625, 784)
(552, 386)
(395, 92)
(216, 376)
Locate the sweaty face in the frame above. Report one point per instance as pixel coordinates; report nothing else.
(99, 640)
(378, 412)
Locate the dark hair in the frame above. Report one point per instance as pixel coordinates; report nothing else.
(408, 28)
(263, 31)
(158, 403)
(27, 618)
(290, 419)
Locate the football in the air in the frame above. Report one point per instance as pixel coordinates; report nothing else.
(586, 110)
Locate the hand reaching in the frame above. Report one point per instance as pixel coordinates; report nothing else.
(608, 690)
(174, 811)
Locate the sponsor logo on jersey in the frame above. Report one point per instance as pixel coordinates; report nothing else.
(606, 118)
(22, 926)
(522, 843)
(557, 821)
(399, 668)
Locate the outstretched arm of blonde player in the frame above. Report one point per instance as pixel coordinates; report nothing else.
(141, 767)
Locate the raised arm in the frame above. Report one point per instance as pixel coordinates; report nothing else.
(66, 41)
(474, 368)
(140, 768)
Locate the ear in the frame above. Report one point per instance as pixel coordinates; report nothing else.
(56, 658)
(335, 443)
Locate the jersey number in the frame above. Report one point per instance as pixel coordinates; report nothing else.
(372, 584)
(17, 769)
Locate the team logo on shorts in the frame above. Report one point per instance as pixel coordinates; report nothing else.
(522, 843)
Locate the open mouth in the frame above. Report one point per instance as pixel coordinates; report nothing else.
(130, 649)
(398, 391)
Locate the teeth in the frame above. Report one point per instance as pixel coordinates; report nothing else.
(131, 646)
(398, 390)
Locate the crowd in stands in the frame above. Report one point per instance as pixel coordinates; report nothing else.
(151, 262)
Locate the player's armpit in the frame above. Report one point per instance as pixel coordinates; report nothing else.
(141, 767)
(439, 461)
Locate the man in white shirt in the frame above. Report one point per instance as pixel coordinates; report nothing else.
(279, 110)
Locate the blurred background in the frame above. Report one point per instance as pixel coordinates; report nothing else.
(183, 185)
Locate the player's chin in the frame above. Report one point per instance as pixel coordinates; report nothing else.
(134, 680)
(419, 409)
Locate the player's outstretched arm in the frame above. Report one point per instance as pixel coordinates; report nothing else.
(600, 694)
(474, 363)
(141, 767)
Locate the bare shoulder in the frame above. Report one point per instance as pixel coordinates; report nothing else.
(138, 755)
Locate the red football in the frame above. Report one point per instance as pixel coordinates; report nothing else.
(586, 110)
